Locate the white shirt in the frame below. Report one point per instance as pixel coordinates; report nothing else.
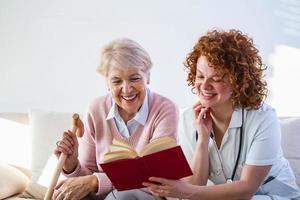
(140, 118)
(261, 146)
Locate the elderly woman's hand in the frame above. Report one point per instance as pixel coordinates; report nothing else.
(75, 188)
(69, 146)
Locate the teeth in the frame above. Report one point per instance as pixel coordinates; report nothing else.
(207, 94)
(129, 97)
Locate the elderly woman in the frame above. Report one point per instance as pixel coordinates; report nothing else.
(234, 138)
(130, 113)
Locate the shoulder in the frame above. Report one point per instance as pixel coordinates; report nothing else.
(186, 121)
(157, 101)
(100, 104)
(263, 113)
(262, 121)
(187, 113)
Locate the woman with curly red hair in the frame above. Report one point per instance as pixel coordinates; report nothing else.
(231, 136)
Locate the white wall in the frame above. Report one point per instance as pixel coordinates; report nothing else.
(49, 49)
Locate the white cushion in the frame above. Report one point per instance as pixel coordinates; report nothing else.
(12, 181)
(290, 128)
(15, 142)
(47, 128)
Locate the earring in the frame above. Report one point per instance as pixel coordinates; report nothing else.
(193, 90)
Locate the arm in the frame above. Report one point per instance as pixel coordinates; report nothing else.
(245, 188)
(200, 162)
(87, 166)
(251, 178)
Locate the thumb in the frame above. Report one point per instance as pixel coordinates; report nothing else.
(80, 128)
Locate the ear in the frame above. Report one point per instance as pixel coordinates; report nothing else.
(148, 78)
(107, 85)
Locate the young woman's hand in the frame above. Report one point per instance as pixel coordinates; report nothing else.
(169, 188)
(203, 121)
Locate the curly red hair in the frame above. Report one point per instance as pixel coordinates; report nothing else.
(234, 54)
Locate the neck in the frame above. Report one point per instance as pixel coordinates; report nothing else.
(125, 115)
(221, 117)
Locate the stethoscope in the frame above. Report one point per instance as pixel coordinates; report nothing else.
(240, 147)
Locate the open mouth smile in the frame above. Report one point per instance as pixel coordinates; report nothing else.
(129, 98)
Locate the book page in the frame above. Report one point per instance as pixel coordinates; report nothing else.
(119, 150)
(117, 155)
(158, 144)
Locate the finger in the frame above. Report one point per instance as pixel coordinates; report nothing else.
(55, 194)
(154, 186)
(63, 148)
(69, 136)
(158, 192)
(200, 116)
(146, 184)
(59, 184)
(162, 181)
(73, 137)
(196, 110)
(198, 103)
(207, 113)
(66, 145)
(58, 195)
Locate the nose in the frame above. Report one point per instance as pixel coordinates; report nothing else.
(127, 87)
(205, 84)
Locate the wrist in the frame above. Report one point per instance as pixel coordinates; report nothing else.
(202, 142)
(192, 192)
(70, 166)
(94, 185)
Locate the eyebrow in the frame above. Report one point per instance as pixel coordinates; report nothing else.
(131, 75)
(218, 75)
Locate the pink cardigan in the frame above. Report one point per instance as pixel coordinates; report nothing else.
(99, 132)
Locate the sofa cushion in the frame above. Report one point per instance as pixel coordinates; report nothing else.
(46, 128)
(12, 181)
(290, 127)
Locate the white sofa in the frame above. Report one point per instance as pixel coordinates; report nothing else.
(27, 140)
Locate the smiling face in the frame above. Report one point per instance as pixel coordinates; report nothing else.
(213, 89)
(128, 88)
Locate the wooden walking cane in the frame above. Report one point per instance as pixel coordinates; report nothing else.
(60, 163)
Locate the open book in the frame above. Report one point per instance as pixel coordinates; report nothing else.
(127, 169)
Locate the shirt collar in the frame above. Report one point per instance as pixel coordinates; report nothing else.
(236, 118)
(141, 116)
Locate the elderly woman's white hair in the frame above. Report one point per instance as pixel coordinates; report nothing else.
(124, 53)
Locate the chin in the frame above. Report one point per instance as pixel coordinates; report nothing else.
(205, 103)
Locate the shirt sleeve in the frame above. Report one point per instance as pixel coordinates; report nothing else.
(187, 133)
(265, 148)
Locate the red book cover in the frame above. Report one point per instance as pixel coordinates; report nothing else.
(126, 174)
